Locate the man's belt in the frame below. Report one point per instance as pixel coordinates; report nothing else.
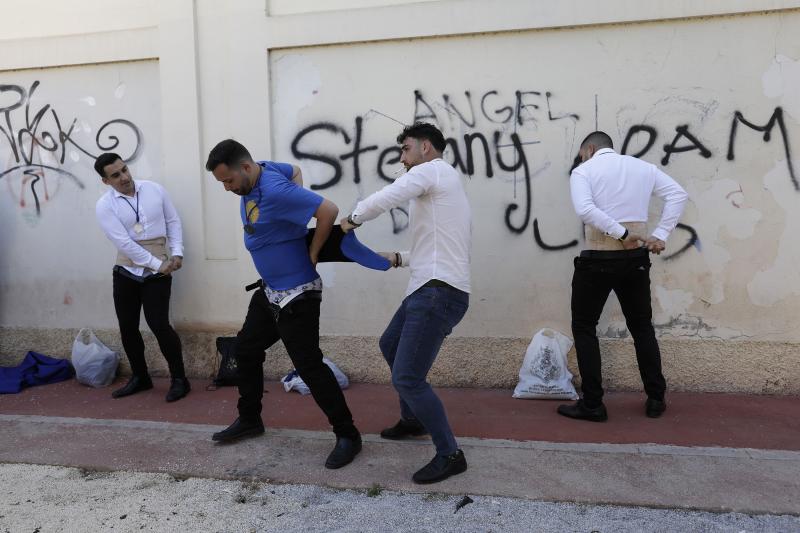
(255, 285)
(617, 254)
(437, 283)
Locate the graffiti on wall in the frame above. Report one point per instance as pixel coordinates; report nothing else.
(39, 145)
(495, 136)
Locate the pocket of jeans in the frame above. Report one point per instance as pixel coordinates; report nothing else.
(454, 311)
(423, 297)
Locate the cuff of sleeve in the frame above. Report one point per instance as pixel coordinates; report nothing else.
(405, 257)
(618, 232)
(154, 264)
(661, 234)
(176, 251)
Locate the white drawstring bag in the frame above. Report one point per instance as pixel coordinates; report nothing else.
(293, 381)
(544, 374)
(95, 363)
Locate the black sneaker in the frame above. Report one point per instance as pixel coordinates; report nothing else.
(178, 388)
(654, 408)
(440, 468)
(239, 430)
(404, 429)
(134, 385)
(344, 452)
(579, 411)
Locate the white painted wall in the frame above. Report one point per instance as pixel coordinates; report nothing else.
(738, 281)
(56, 263)
(293, 7)
(263, 71)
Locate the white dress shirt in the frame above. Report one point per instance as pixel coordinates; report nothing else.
(440, 222)
(116, 214)
(610, 188)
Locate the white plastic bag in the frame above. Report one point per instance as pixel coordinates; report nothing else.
(544, 374)
(95, 363)
(293, 381)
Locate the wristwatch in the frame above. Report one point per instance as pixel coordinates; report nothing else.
(624, 235)
(351, 221)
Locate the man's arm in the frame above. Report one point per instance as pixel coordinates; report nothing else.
(588, 212)
(174, 230)
(326, 216)
(675, 198)
(410, 185)
(396, 259)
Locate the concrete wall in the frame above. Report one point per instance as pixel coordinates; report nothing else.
(56, 260)
(710, 92)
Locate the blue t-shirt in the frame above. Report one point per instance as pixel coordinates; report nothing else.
(279, 210)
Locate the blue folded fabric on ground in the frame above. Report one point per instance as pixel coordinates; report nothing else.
(35, 369)
(345, 247)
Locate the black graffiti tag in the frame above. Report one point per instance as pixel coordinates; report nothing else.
(501, 148)
(42, 129)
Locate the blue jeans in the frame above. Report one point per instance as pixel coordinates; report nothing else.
(410, 345)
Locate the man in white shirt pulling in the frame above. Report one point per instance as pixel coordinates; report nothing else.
(611, 194)
(138, 218)
(438, 291)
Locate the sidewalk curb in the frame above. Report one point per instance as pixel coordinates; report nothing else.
(650, 475)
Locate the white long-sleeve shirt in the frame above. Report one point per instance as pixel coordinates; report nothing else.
(116, 214)
(611, 188)
(440, 222)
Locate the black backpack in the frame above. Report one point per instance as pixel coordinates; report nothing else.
(228, 369)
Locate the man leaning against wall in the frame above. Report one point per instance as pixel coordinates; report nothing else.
(140, 220)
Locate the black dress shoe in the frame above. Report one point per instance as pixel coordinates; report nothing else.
(239, 430)
(581, 412)
(178, 388)
(404, 429)
(134, 385)
(441, 468)
(344, 452)
(654, 408)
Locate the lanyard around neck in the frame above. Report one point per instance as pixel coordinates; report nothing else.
(136, 210)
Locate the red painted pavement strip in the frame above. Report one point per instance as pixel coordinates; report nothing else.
(727, 420)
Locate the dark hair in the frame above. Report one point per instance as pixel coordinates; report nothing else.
(227, 152)
(599, 139)
(423, 130)
(103, 160)
(575, 164)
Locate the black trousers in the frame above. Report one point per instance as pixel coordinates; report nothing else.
(153, 294)
(627, 273)
(297, 325)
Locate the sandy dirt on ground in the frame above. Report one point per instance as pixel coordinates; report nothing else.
(43, 499)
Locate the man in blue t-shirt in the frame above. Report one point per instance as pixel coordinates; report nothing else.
(275, 210)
